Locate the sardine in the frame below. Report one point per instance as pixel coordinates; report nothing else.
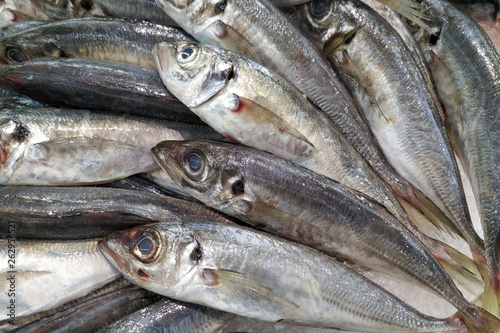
(405, 120)
(46, 146)
(85, 212)
(44, 274)
(171, 316)
(94, 38)
(95, 84)
(235, 269)
(259, 31)
(19, 26)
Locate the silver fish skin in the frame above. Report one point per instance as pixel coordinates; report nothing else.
(406, 121)
(130, 9)
(232, 268)
(171, 316)
(19, 26)
(97, 38)
(470, 89)
(46, 146)
(282, 198)
(95, 313)
(96, 84)
(238, 98)
(85, 212)
(49, 273)
(259, 31)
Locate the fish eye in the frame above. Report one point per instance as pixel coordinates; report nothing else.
(194, 165)
(318, 8)
(187, 54)
(14, 55)
(220, 6)
(147, 246)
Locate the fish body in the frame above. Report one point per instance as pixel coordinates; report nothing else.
(256, 275)
(85, 212)
(239, 99)
(95, 38)
(96, 84)
(49, 273)
(55, 146)
(405, 120)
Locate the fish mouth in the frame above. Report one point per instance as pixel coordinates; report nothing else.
(164, 162)
(113, 257)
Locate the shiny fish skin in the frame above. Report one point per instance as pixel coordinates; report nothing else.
(83, 147)
(49, 273)
(97, 38)
(171, 316)
(96, 84)
(473, 109)
(89, 316)
(279, 197)
(258, 30)
(257, 275)
(223, 89)
(407, 124)
(19, 26)
(85, 212)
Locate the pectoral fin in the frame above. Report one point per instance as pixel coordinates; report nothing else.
(240, 287)
(260, 114)
(233, 40)
(412, 10)
(338, 42)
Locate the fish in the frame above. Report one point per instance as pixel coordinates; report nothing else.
(95, 313)
(282, 198)
(98, 84)
(50, 146)
(84, 212)
(19, 26)
(44, 274)
(235, 269)
(171, 316)
(124, 41)
(238, 97)
(466, 68)
(404, 120)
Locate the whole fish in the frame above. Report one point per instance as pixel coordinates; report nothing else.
(95, 38)
(95, 84)
(466, 67)
(405, 120)
(173, 317)
(44, 274)
(259, 31)
(95, 313)
(235, 269)
(85, 212)
(282, 198)
(46, 146)
(238, 97)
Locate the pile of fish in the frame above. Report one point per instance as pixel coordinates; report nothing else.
(175, 166)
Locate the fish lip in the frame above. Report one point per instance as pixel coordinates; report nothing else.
(113, 257)
(165, 166)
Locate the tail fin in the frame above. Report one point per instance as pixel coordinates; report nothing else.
(481, 322)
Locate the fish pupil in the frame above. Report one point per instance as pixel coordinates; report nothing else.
(238, 187)
(145, 245)
(318, 7)
(221, 6)
(186, 53)
(15, 55)
(194, 162)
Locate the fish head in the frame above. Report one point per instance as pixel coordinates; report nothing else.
(320, 20)
(160, 257)
(192, 72)
(205, 170)
(29, 44)
(13, 138)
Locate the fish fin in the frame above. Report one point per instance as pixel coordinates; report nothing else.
(461, 268)
(341, 38)
(238, 42)
(432, 221)
(490, 298)
(246, 289)
(481, 321)
(412, 10)
(258, 113)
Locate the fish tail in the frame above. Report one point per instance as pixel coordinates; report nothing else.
(480, 321)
